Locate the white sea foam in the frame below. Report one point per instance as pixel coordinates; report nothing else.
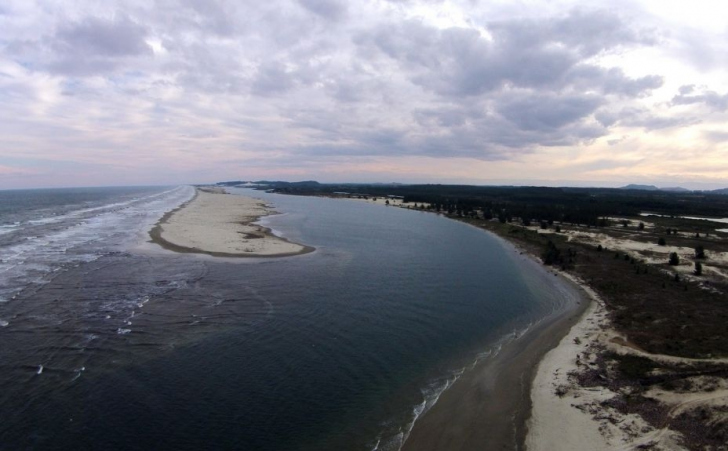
(47, 220)
(78, 372)
(81, 240)
(9, 228)
(434, 390)
(430, 395)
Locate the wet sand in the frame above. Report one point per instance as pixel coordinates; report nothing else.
(222, 225)
(488, 407)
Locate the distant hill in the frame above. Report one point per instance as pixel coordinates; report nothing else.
(720, 191)
(269, 182)
(233, 183)
(671, 189)
(641, 187)
(280, 183)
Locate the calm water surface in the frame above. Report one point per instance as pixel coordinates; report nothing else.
(105, 344)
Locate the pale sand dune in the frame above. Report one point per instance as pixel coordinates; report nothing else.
(576, 420)
(221, 224)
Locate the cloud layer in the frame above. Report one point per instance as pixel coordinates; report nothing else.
(190, 91)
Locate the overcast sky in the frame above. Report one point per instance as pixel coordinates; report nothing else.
(528, 92)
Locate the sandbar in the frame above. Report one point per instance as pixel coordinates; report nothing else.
(222, 225)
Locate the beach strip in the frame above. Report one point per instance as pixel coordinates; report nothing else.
(222, 225)
(488, 406)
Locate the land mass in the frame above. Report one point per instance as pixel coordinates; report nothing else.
(222, 225)
(646, 366)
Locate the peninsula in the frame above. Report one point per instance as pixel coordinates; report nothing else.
(222, 225)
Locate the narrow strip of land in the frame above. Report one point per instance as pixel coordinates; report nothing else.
(222, 225)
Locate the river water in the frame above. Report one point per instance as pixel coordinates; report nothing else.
(108, 342)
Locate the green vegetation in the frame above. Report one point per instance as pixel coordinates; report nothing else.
(699, 252)
(674, 259)
(585, 206)
(658, 312)
(633, 367)
(653, 309)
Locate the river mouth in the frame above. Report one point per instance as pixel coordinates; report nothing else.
(336, 350)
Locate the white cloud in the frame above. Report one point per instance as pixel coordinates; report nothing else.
(293, 83)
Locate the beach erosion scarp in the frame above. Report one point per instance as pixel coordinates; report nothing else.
(222, 225)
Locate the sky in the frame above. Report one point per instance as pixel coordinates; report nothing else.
(580, 93)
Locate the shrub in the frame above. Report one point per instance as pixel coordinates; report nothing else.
(661, 241)
(698, 268)
(699, 252)
(551, 255)
(674, 259)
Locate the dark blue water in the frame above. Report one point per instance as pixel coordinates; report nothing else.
(339, 349)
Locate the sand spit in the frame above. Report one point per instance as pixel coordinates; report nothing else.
(222, 225)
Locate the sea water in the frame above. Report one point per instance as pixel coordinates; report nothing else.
(106, 344)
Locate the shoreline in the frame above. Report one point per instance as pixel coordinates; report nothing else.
(231, 223)
(485, 408)
(591, 384)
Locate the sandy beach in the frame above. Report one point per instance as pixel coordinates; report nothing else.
(487, 408)
(565, 415)
(222, 225)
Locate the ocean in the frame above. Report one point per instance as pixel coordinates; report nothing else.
(109, 342)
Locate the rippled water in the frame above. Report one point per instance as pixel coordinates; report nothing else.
(110, 345)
